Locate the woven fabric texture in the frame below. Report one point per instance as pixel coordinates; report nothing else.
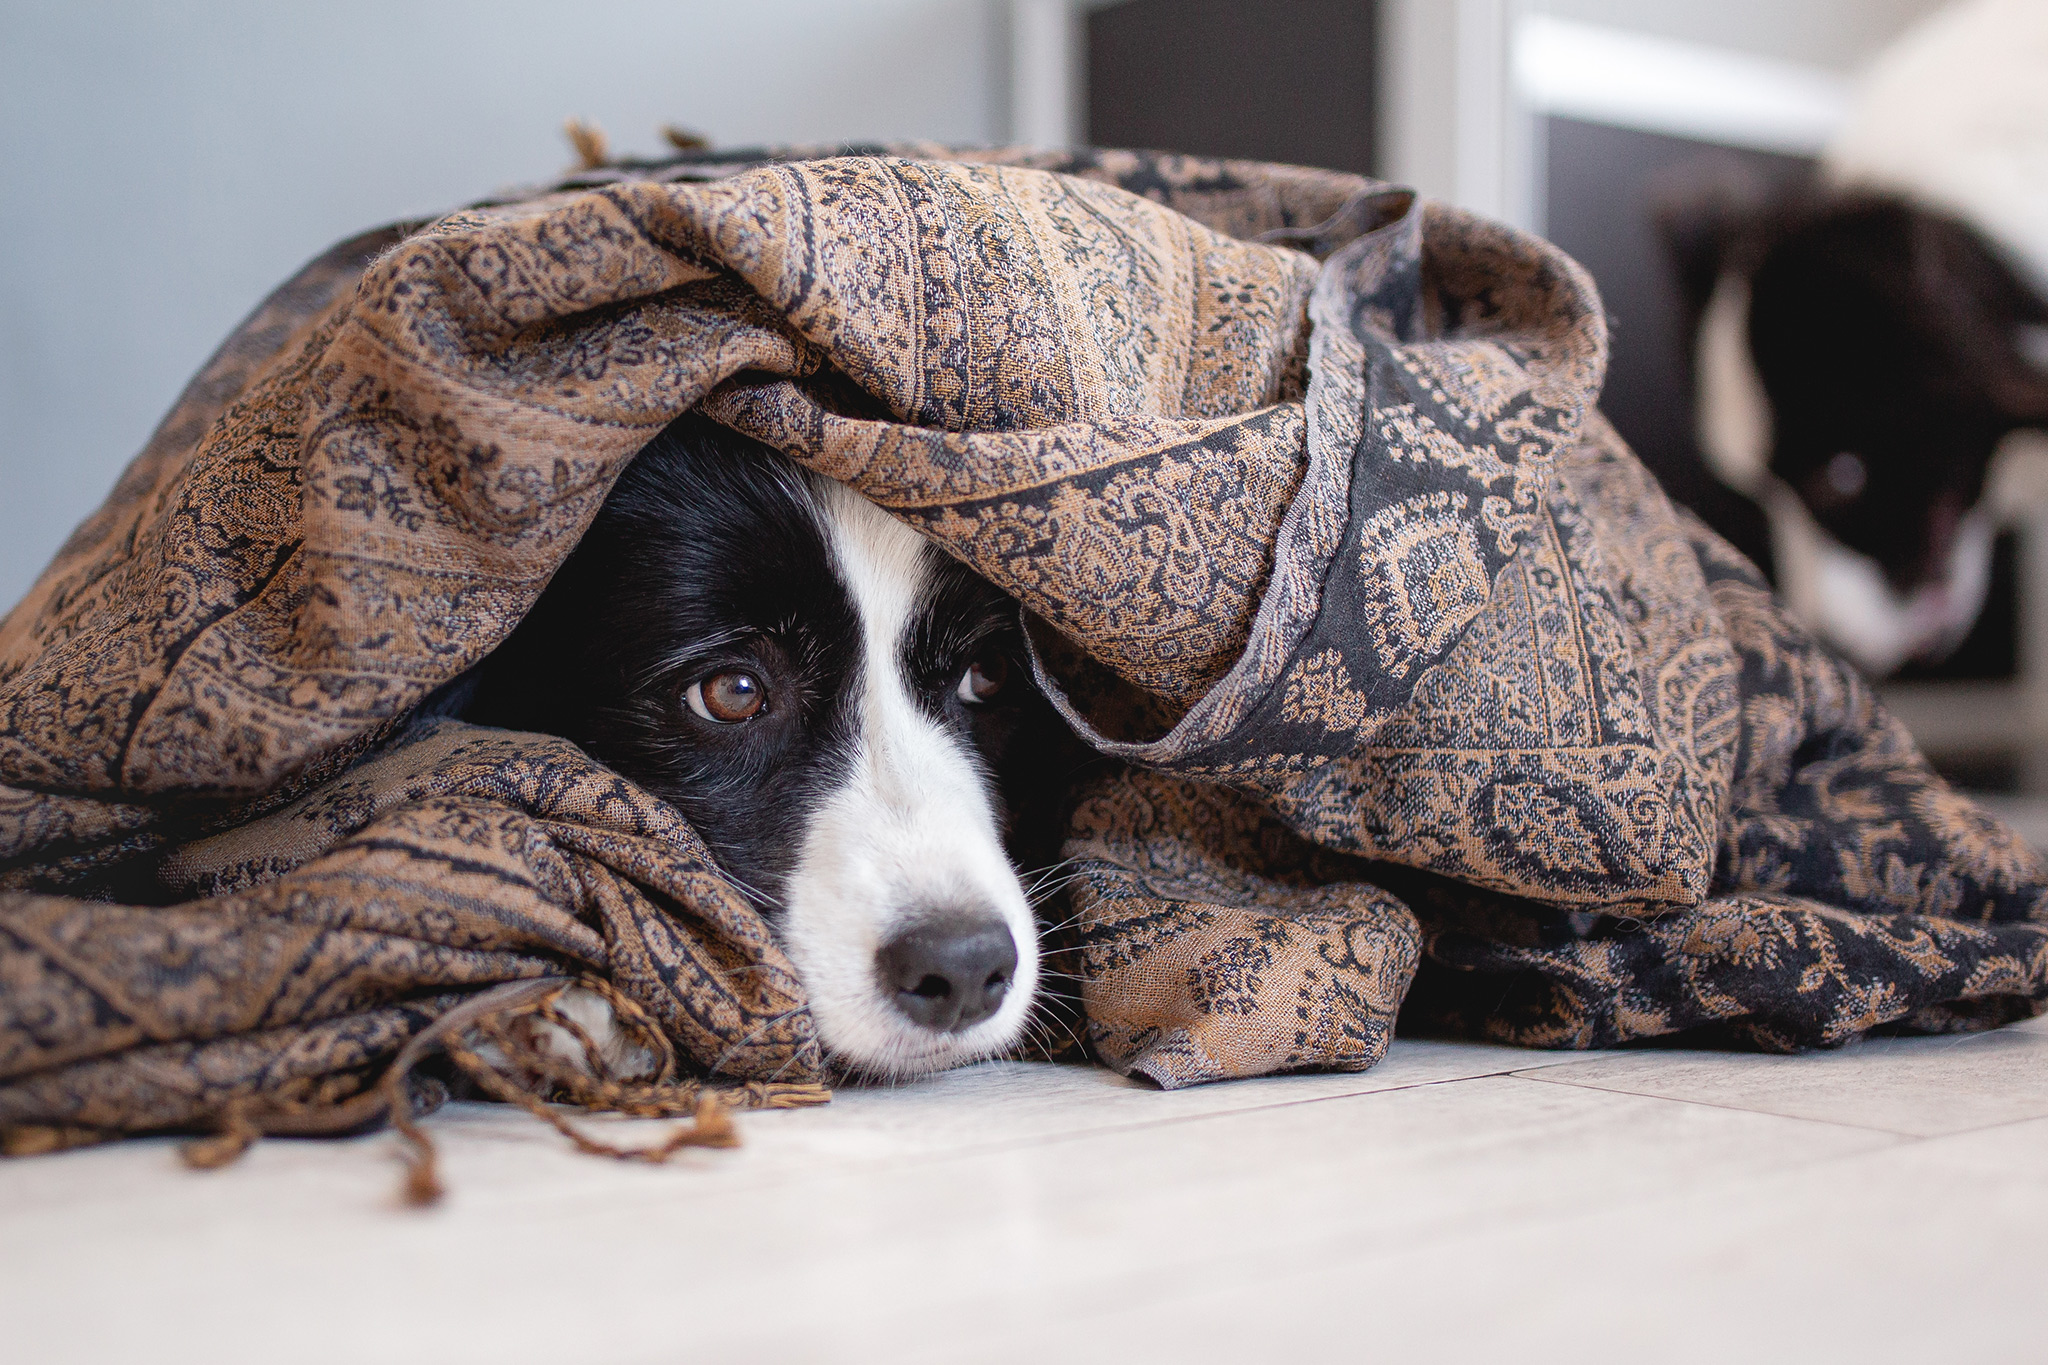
(1422, 701)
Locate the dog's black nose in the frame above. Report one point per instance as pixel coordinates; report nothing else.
(949, 974)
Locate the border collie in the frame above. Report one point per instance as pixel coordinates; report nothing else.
(1866, 345)
(1859, 362)
(843, 713)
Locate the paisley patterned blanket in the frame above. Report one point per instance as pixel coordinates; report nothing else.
(1424, 703)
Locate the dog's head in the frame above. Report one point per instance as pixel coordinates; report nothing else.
(832, 703)
(1866, 356)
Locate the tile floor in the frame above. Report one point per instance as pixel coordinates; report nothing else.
(1459, 1202)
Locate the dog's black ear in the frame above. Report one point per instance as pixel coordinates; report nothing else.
(1996, 320)
(2026, 401)
(1710, 212)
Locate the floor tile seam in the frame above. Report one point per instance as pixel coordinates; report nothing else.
(1262, 1107)
(1982, 1128)
(830, 1164)
(1923, 1042)
(1731, 1108)
(1505, 1069)
(1065, 1135)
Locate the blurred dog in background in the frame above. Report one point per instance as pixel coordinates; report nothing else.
(1869, 348)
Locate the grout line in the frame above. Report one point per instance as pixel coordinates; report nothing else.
(1731, 1108)
(996, 1146)
(1986, 1127)
(1175, 1120)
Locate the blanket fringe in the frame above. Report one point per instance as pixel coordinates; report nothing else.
(485, 1044)
(40, 1139)
(489, 1039)
(593, 148)
(238, 1132)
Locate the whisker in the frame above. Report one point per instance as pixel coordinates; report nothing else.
(1047, 890)
(761, 899)
(1063, 863)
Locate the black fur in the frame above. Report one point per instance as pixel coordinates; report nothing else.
(708, 556)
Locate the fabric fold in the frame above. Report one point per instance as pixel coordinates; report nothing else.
(1422, 704)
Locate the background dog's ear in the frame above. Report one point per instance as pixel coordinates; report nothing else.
(2009, 307)
(2027, 404)
(1709, 211)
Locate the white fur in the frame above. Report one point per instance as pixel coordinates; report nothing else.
(1734, 413)
(909, 831)
(1844, 597)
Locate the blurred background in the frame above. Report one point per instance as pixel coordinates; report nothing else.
(166, 165)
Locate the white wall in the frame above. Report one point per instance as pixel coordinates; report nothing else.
(1449, 125)
(1841, 34)
(1453, 128)
(162, 166)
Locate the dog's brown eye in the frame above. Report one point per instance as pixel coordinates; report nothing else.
(727, 697)
(983, 679)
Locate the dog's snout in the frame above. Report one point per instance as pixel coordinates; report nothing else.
(949, 974)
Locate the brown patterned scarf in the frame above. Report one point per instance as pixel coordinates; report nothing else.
(1425, 702)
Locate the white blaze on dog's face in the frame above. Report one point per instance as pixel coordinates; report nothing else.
(902, 912)
(832, 704)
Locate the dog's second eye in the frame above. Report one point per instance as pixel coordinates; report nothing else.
(727, 697)
(982, 680)
(1846, 476)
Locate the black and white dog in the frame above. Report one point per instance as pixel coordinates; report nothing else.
(1866, 345)
(842, 712)
(1859, 362)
